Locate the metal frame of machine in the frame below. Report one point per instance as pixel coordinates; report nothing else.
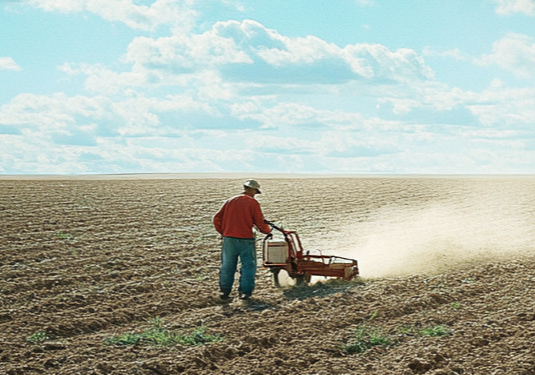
(300, 265)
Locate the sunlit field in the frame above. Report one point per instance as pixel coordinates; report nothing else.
(118, 275)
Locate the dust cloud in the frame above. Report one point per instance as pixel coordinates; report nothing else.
(440, 236)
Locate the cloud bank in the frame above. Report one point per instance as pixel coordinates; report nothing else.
(242, 97)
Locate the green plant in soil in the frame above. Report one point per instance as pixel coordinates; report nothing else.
(406, 329)
(63, 236)
(37, 337)
(435, 331)
(365, 337)
(159, 335)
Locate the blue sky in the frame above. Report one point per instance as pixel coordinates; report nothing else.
(279, 86)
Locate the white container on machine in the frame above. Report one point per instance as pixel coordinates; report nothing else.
(275, 251)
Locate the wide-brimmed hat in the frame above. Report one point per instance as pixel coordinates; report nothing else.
(252, 184)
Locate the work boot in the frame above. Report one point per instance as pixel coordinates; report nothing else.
(244, 296)
(224, 297)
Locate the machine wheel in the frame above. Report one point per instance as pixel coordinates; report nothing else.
(276, 273)
(282, 279)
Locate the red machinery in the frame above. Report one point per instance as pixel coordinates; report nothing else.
(288, 255)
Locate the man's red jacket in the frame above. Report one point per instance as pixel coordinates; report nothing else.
(238, 215)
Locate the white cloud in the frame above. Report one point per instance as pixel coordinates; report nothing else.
(235, 59)
(515, 6)
(287, 114)
(497, 106)
(182, 54)
(62, 134)
(7, 63)
(101, 116)
(247, 52)
(515, 53)
(171, 12)
(514, 107)
(347, 145)
(453, 53)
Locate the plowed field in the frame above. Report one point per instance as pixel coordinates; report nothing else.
(447, 287)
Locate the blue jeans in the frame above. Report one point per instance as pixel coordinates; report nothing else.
(245, 250)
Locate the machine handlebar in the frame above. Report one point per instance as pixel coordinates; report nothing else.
(272, 225)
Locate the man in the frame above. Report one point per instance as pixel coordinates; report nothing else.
(235, 221)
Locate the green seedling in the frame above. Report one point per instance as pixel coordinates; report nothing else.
(406, 329)
(63, 236)
(364, 338)
(198, 337)
(37, 337)
(434, 331)
(159, 335)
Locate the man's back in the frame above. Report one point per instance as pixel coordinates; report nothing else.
(237, 217)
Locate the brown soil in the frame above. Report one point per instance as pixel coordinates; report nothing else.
(85, 260)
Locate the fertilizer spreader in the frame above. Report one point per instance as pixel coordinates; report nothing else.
(287, 255)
